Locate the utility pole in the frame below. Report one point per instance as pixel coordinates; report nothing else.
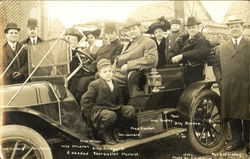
(179, 12)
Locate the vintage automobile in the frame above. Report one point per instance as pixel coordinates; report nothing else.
(37, 114)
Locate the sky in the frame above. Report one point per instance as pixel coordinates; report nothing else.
(75, 12)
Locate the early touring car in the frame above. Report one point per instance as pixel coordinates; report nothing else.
(39, 113)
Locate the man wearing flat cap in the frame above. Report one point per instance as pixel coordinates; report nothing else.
(191, 49)
(232, 72)
(18, 71)
(140, 53)
(32, 32)
(113, 48)
(157, 28)
(173, 36)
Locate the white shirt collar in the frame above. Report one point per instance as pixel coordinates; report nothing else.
(238, 40)
(12, 45)
(35, 38)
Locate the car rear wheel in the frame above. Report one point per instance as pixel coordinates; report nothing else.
(207, 132)
(21, 142)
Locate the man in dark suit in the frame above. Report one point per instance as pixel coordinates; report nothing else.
(173, 36)
(17, 72)
(33, 32)
(102, 103)
(232, 72)
(193, 50)
(113, 48)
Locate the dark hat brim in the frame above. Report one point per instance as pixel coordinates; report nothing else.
(157, 25)
(196, 23)
(96, 33)
(6, 30)
(235, 22)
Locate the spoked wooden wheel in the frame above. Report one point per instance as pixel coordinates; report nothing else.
(207, 131)
(20, 142)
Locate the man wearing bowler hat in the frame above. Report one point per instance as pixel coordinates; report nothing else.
(191, 49)
(140, 53)
(173, 36)
(33, 32)
(113, 48)
(232, 72)
(17, 72)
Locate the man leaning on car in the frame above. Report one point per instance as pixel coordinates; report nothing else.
(18, 70)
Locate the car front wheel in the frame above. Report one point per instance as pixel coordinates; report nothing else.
(21, 142)
(207, 132)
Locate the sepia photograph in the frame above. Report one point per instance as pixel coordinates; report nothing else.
(166, 79)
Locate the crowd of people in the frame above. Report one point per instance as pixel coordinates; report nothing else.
(99, 94)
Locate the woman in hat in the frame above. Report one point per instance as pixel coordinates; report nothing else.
(157, 29)
(192, 49)
(91, 39)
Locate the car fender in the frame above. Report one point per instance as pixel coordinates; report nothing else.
(189, 95)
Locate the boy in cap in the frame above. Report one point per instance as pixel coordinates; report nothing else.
(18, 71)
(33, 32)
(102, 103)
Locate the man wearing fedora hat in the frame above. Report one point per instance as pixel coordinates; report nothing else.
(91, 36)
(113, 48)
(140, 53)
(17, 72)
(157, 28)
(173, 36)
(232, 72)
(32, 32)
(192, 49)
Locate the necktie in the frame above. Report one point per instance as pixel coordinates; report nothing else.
(14, 47)
(235, 43)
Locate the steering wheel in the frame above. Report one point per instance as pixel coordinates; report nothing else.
(86, 61)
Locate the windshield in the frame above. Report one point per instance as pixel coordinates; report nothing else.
(56, 63)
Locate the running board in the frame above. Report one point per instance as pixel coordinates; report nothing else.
(135, 142)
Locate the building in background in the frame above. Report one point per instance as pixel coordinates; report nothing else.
(19, 12)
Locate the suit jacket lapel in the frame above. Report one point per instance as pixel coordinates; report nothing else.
(230, 47)
(132, 46)
(10, 52)
(240, 46)
(105, 87)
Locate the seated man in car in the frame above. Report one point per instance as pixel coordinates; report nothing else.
(140, 53)
(191, 49)
(102, 103)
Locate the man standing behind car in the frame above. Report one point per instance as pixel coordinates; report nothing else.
(140, 53)
(33, 32)
(231, 68)
(192, 49)
(17, 71)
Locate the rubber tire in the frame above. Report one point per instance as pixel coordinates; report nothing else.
(29, 135)
(192, 139)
